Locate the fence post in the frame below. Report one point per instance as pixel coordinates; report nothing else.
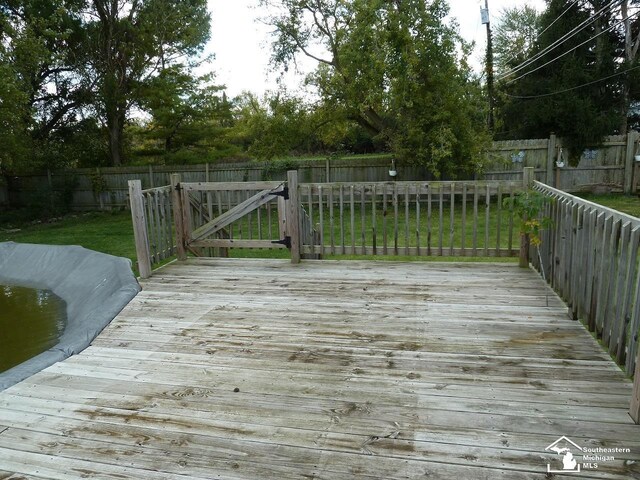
(551, 150)
(176, 206)
(293, 215)
(140, 228)
(634, 411)
(632, 137)
(527, 183)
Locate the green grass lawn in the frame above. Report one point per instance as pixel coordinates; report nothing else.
(101, 231)
(112, 232)
(629, 204)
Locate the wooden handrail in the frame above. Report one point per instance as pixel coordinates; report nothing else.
(590, 257)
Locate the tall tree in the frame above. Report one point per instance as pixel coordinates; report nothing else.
(558, 89)
(394, 67)
(514, 36)
(41, 49)
(131, 42)
(630, 82)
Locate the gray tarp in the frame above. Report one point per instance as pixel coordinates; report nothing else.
(95, 287)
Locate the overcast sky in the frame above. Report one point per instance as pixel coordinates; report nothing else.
(241, 43)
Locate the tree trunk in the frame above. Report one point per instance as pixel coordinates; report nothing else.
(624, 110)
(115, 125)
(525, 243)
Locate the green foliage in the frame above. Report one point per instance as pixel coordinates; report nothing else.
(137, 47)
(528, 206)
(397, 69)
(582, 116)
(98, 183)
(275, 169)
(514, 36)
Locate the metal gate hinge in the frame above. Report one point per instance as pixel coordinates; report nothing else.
(286, 242)
(284, 193)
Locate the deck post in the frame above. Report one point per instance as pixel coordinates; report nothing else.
(527, 183)
(634, 411)
(293, 215)
(140, 228)
(176, 206)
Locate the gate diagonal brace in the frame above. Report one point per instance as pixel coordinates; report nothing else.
(286, 242)
(235, 213)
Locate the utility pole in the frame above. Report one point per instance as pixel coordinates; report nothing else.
(484, 13)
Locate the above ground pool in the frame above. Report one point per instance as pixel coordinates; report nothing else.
(91, 287)
(31, 321)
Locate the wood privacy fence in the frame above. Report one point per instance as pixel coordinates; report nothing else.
(610, 166)
(590, 257)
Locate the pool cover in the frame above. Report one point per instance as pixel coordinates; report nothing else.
(95, 287)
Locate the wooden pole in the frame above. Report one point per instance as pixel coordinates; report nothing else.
(528, 176)
(176, 206)
(527, 183)
(634, 411)
(551, 160)
(139, 228)
(632, 138)
(293, 215)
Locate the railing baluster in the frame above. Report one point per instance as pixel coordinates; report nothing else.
(475, 220)
(331, 222)
(342, 239)
(498, 220)
(395, 219)
(374, 225)
(385, 250)
(463, 228)
(363, 226)
(321, 213)
(418, 219)
(452, 222)
(352, 212)
(441, 220)
(429, 221)
(487, 217)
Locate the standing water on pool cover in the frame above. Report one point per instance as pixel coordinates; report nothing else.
(31, 322)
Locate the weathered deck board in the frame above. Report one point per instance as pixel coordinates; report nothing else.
(344, 370)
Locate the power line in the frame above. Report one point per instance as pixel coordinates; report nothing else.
(542, 32)
(574, 48)
(527, 97)
(560, 40)
(559, 17)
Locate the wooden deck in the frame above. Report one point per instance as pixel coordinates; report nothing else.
(259, 369)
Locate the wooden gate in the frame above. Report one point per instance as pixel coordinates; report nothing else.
(216, 216)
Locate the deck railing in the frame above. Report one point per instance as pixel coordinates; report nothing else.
(590, 257)
(412, 218)
(154, 233)
(373, 218)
